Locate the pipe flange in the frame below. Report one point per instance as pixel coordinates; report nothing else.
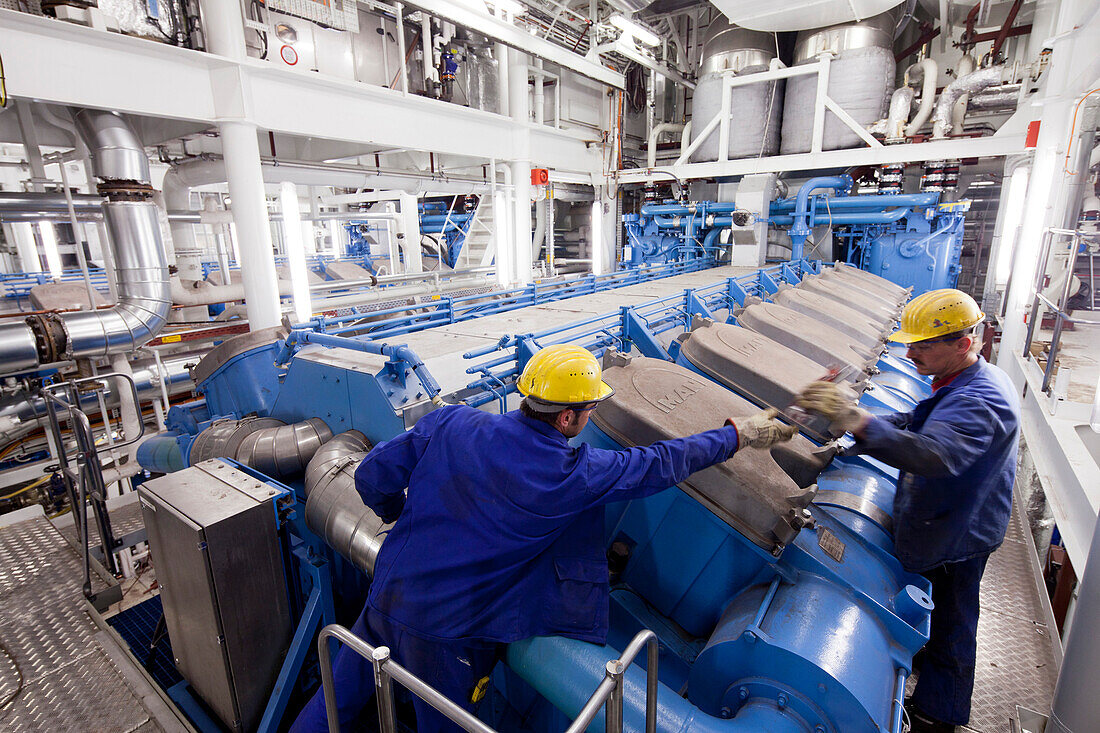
(49, 337)
(126, 190)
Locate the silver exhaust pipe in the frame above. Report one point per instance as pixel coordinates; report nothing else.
(334, 509)
(144, 298)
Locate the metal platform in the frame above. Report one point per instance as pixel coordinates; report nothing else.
(59, 671)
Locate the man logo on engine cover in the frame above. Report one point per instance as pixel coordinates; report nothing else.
(676, 398)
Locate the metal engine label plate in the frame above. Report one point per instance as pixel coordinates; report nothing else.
(831, 544)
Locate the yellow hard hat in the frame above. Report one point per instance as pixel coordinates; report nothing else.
(563, 375)
(937, 313)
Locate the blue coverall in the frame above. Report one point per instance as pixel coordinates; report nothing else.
(957, 455)
(499, 539)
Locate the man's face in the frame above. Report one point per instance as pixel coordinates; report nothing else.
(938, 358)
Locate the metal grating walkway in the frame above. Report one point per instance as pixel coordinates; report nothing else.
(58, 672)
(1018, 658)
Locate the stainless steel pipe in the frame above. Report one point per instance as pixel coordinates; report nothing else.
(284, 451)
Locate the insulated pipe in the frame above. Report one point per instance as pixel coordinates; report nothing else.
(901, 101)
(334, 509)
(930, 72)
(966, 65)
(972, 83)
(224, 437)
(284, 451)
(141, 268)
(663, 127)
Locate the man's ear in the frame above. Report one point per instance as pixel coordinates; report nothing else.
(564, 419)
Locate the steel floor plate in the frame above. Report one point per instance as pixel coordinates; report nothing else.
(1017, 657)
(57, 675)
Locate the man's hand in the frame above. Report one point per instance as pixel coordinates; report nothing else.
(761, 430)
(825, 398)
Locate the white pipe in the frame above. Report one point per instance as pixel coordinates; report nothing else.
(223, 28)
(930, 72)
(540, 111)
(967, 64)
(520, 104)
(664, 127)
(685, 138)
(402, 67)
(972, 83)
(241, 152)
(426, 50)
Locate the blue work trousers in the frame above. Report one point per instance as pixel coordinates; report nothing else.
(452, 668)
(946, 664)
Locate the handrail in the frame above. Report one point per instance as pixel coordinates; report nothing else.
(609, 691)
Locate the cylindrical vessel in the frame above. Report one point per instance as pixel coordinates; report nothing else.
(861, 77)
(754, 129)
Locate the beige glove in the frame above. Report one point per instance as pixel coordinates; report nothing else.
(826, 399)
(761, 430)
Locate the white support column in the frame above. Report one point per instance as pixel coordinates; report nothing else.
(503, 85)
(241, 152)
(520, 104)
(223, 27)
(25, 245)
(540, 102)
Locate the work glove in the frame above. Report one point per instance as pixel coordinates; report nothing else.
(826, 399)
(761, 430)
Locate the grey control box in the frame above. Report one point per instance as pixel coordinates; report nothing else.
(213, 534)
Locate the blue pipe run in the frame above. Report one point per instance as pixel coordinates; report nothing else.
(850, 217)
(801, 228)
(400, 353)
(566, 672)
(863, 202)
(709, 207)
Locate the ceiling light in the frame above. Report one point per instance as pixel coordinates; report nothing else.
(634, 30)
(49, 243)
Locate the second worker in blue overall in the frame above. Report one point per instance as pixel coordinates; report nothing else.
(500, 537)
(957, 454)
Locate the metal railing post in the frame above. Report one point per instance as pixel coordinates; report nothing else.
(383, 690)
(1044, 251)
(1056, 336)
(613, 708)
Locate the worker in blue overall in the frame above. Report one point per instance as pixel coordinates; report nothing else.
(957, 454)
(500, 537)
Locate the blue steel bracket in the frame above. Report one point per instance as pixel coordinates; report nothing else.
(788, 274)
(526, 347)
(636, 331)
(768, 285)
(736, 292)
(694, 306)
(319, 612)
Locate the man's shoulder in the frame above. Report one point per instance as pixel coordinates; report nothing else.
(991, 385)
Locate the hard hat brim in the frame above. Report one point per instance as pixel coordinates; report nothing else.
(540, 405)
(904, 337)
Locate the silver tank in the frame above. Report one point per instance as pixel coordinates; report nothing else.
(861, 77)
(757, 108)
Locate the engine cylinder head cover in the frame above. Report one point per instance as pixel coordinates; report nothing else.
(655, 400)
(762, 370)
(853, 296)
(869, 333)
(808, 336)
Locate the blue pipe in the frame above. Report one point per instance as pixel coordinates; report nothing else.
(851, 217)
(863, 202)
(566, 672)
(710, 207)
(161, 454)
(800, 230)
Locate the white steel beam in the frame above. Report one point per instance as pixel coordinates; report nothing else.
(521, 40)
(91, 68)
(627, 49)
(982, 147)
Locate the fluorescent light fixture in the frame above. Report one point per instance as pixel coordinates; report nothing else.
(631, 28)
(597, 237)
(1010, 227)
(295, 252)
(49, 244)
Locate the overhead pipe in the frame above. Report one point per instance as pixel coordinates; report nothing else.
(663, 127)
(854, 217)
(972, 83)
(847, 203)
(144, 300)
(966, 65)
(334, 509)
(929, 71)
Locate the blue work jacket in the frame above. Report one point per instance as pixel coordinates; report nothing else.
(501, 535)
(957, 455)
